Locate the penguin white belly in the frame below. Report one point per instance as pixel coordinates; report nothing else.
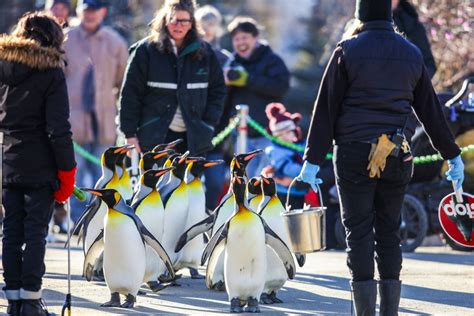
(95, 226)
(245, 261)
(191, 253)
(124, 255)
(175, 218)
(276, 274)
(225, 213)
(151, 213)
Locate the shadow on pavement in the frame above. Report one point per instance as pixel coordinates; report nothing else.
(452, 258)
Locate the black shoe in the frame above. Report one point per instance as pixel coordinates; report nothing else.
(365, 296)
(14, 307)
(389, 291)
(33, 308)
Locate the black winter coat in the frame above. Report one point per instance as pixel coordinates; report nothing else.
(268, 82)
(34, 113)
(156, 82)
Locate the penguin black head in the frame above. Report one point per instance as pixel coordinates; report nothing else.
(180, 164)
(240, 162)
(238, 188)
(150, 177)
(110, 196)
(150, 159)
(253, 186)
(200, 165)
(171, 145)
(111, 155)
(268, 186)
(121, 156)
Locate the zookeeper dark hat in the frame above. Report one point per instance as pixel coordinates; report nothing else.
(371, 10)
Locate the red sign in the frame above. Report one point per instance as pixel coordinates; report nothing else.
(457, 219)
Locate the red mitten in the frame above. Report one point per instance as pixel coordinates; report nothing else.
(66, 185)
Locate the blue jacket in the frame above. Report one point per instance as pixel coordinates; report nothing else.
(286, 163)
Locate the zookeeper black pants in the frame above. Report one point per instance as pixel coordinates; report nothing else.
(371, 210)
(28, 210)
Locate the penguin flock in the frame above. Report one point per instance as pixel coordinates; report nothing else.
(145, 236)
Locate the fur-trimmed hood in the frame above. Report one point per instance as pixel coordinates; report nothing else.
(20, 56)
(30, 53)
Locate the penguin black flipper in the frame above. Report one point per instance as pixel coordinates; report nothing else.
(220, 235)
(281, 249)
(92, 254)
(197, 229)
(86, 217)
(147, 236)
(155, 244)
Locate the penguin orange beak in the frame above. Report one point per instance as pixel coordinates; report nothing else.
(213, 163)
(91, 191)
(174, 143)
(162, 172)
(252, 155)
(183, 157)
(265, 180)
(162, 154)
(257, 183)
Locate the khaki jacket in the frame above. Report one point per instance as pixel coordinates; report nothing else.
(108, 52)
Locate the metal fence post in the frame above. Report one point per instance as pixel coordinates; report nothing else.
(243, 111)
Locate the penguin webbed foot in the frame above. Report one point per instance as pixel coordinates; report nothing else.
(219, 286)
(265, 299)
(166, 278)
(129, 301)
(195, 274)
(235, 306)
(114, 301)
(274, 298)
(155, 286)
(252, 306)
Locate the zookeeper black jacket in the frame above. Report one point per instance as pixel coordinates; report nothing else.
(374, 84)
(34, 113)
(156, 82)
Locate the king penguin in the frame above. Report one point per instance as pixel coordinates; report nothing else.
(125, 186)
(191, 253)
(271, 209)
(170, 145)
(216, 219)
(90, 223)
(254, 193)
(123, 240)
(243, 240)
(149, 208)
(176, 203)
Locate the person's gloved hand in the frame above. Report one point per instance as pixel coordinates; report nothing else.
(308, 175)
(66, 181)
(237, 77)
(456, 171)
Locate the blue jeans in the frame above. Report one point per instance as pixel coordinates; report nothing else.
(256, 165)
(215, 178)
(87, 175)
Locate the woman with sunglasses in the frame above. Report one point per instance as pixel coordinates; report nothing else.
(173, 86)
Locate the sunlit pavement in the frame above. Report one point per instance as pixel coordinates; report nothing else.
(436, 281)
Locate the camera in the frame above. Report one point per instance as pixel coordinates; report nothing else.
(233, 74)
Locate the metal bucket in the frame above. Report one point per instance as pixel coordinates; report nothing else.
(306, 228)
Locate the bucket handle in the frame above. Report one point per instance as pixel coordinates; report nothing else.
(314, 187)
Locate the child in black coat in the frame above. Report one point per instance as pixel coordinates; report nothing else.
(38, 156)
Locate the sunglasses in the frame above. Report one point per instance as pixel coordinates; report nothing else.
(182, 22)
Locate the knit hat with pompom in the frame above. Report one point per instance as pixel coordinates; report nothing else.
(282, 121)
